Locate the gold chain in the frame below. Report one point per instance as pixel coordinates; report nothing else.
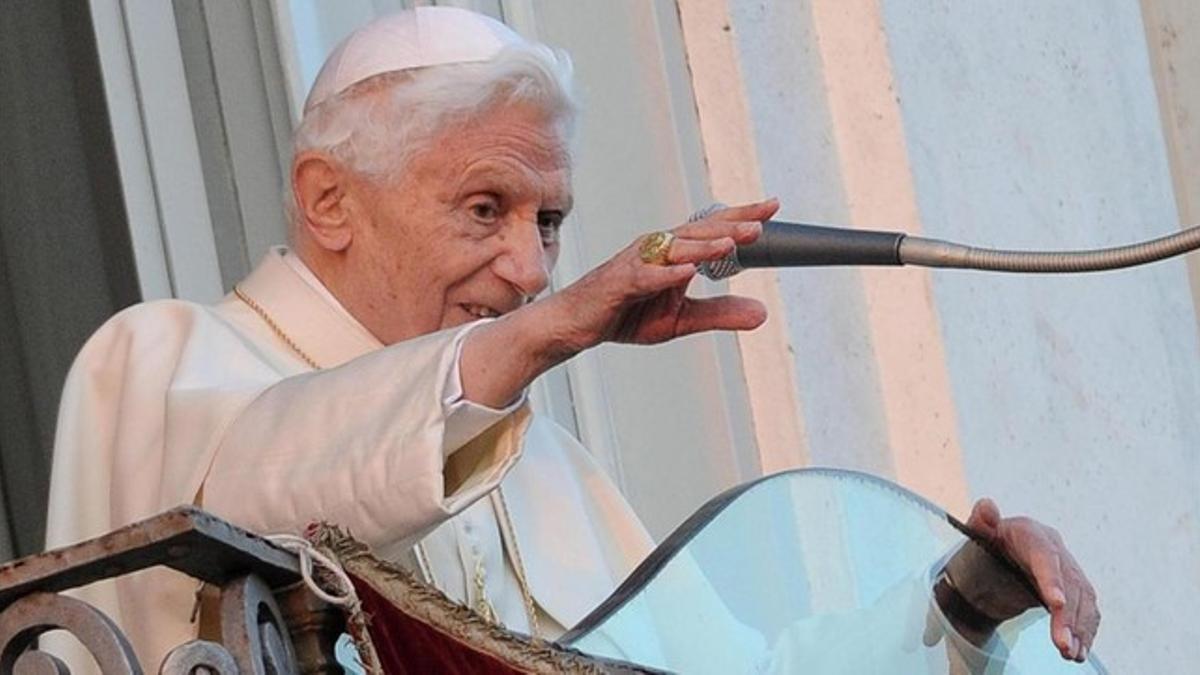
(483, 606)
(237, 290)
(504, 520)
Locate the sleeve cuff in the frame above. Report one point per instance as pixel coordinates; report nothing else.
(466, 419)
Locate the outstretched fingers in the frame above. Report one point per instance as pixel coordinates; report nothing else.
(740, 231)
(727, 312)
(985, 518)
(1087, 622)
(679, 265)
(650, 279)
(698, 250)
(1061, 583)
(743, 223)
(1074, 616)
(1046, 570)
(1080, 613)
(758, 211)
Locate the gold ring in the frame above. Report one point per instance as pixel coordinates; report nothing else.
(655, 247)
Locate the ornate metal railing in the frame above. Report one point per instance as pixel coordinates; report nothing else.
(263, 619)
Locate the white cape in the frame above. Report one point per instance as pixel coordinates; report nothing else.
(174, 403)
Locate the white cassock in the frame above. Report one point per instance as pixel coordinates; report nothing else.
(172, 403)
(177, 403)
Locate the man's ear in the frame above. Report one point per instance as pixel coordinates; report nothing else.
(321, 186)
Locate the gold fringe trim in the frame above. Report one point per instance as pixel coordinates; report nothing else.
(433, 608)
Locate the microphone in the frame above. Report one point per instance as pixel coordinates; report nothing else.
(784, 244)
(798, 245)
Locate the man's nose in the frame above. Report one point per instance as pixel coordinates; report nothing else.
(525, 264)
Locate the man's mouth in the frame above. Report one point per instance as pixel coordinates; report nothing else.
(480, 311)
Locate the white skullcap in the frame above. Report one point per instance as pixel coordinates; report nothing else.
(426, 36)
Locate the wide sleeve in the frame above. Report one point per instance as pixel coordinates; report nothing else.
(361, 445)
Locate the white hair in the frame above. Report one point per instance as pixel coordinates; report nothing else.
(376, 134)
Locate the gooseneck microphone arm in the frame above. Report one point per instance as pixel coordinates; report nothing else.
(796, 245)
(935, 253)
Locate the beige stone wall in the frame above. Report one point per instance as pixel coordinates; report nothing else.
(1173, 38)
(1023, 124)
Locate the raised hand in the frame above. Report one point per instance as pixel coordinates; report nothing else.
(628, 299)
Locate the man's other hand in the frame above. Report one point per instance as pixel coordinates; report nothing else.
(1064, 589)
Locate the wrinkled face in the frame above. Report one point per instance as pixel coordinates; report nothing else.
(470, 229)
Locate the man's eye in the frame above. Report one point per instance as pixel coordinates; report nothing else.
(485, 211)
(549, 225)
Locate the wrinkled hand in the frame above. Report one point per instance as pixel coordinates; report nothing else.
(629, 300)
(625, 299)
(1042, 555)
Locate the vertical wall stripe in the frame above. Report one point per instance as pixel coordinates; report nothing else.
(729, 150)
(1175, 59)
(869, 133)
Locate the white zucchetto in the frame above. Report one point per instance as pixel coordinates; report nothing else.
(426, 36)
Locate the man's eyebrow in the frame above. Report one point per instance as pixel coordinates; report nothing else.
(484, 177)
(481, 176)
(564, 207)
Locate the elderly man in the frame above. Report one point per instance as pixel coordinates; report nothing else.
(374, 374)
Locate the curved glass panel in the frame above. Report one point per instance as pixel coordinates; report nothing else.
(813, 571)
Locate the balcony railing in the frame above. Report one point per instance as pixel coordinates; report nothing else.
(263, 617)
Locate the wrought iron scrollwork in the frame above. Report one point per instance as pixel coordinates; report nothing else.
(199, 657)
(29, 617)
(34, 662)
(253, 629)
(244, 574)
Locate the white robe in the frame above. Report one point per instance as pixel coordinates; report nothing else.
(173, 403)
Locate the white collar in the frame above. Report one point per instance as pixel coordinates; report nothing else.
(306, 311)
(301, 268)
